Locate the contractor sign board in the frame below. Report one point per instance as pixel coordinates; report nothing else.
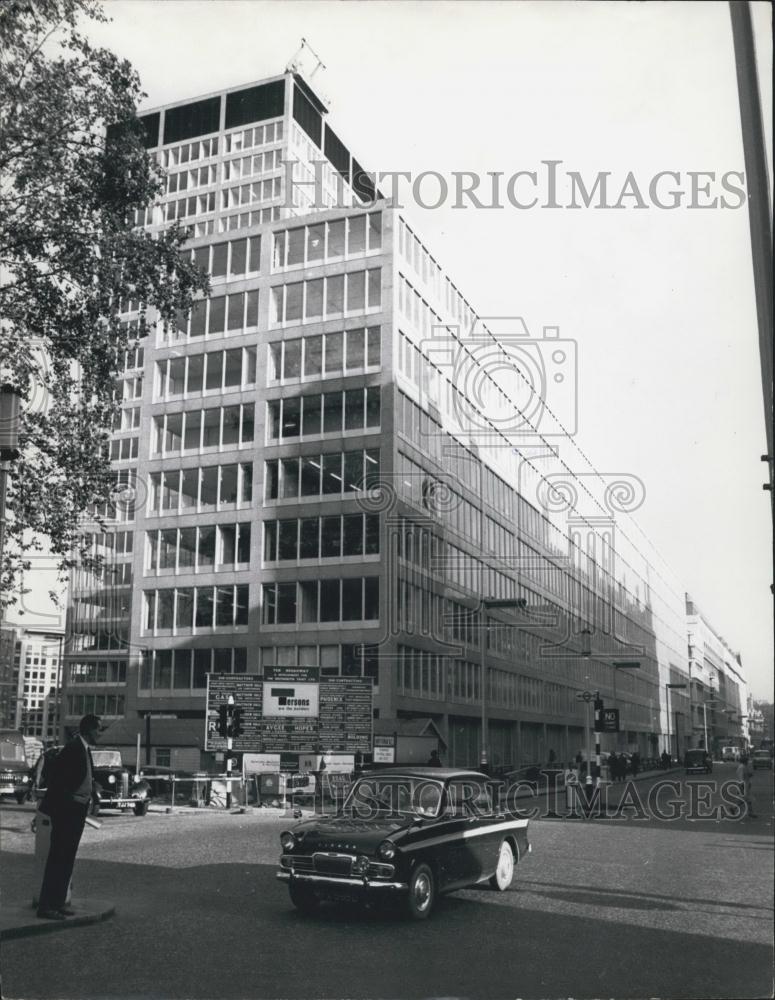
(293, 709)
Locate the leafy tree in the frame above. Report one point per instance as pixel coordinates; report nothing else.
(73, 172)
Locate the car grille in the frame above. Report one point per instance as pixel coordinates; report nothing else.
(124, 785)
(333, 864)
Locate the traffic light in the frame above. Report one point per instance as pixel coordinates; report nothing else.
(236, 722)
(223, 720)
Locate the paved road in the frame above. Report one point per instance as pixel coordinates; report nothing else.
(605, 908)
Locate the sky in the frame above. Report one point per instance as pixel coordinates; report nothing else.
(660, 302)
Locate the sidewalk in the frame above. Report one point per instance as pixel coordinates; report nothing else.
(20, 921)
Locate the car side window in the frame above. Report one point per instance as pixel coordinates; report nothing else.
(468, 797)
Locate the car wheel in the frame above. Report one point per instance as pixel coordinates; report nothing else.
(504, 871)
(422, 893)
(303, 898)
(20, 797)
(141, 808)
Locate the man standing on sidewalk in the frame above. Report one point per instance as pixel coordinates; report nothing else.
(66, 802)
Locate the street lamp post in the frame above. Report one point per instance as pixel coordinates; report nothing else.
(671, 687)
(487, 604)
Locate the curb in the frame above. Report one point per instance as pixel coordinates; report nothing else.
(19, 921)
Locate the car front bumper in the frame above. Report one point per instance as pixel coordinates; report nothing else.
(352, 883)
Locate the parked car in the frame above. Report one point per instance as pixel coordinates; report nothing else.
(14, 772)
(729, 753)
(408, 834)
(114, 786)
(761, 758)
(698, 761)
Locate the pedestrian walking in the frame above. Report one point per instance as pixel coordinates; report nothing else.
(434, 760)
(613, 766)
(635, 763)
(744, 775)
(571, 777)
(665, 760)
(66, 803)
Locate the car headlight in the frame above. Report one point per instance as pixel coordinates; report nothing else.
(386, 850)
(361, 865)
(111, 779)
(287, 841)
(25, 779)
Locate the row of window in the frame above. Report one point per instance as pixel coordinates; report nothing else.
(321, 537)
(243, 220)
(127, 419)
(213, 317)
(322, 475)
(327, 241)
(196, 607)
(124, 449)
(327, 298)
(353, 599)
(201, 489)
(426, 434)
(426, 268)
(98, 672)
(107, 706)
(128, 389)
(345, 660)
(187, 180)
(216, 427)
(249, 166)
(229, 258)
(121, 543)
(189, 152)
(324, 413)
(187, 669)
(197, 204)
(132, 357)
(325, 354)
(249, 194)
(205, 547)
(438, 499)
(197, 373)
(249, 138)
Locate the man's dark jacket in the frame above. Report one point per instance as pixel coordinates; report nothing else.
(66, 776)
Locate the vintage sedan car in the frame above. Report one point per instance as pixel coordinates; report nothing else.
(697, 761)
(409, 834)
(761, 758)
(114, 787)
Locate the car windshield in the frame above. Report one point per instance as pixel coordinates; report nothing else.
(762, 753)
(396, 795)
(695, 755)
(106, 758)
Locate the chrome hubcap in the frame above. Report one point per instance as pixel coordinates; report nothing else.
(505, 865)
(422, 891)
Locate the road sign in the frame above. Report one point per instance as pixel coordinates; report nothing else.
(609, 722)
(584, 696)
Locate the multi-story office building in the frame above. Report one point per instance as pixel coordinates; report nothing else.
(322, 465)
(719, 693)
(32, 678)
